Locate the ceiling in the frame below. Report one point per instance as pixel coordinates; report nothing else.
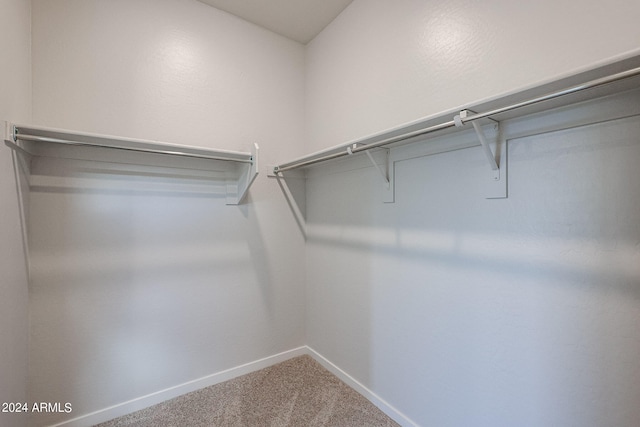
(299, 20)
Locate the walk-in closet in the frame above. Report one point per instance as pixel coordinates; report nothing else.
(331, 213)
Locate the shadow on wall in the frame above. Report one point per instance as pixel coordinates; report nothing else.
(508, 310)
(564, 200)
(294, 191)
(140, 281)
(262, 275)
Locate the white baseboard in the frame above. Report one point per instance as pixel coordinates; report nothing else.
(143, 402)
(385, 407)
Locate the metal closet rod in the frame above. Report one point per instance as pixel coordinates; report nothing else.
(470, 118)
(36, 138)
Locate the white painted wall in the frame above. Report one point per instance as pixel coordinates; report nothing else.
(15, 104)
(462, 311)
(134, 294)
(381, 63)
(455, 309)
(132, 291)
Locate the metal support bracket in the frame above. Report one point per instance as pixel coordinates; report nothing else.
(497, 159)
(10, 132)
(237, 190)
(386, 174)
(491, 157)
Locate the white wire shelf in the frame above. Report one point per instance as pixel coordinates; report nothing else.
(485, 117)
(240, 168)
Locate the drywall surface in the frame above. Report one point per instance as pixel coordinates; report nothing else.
(454, 309)
(459, 310)
(138, 289)
(381, 64)
(15, 104)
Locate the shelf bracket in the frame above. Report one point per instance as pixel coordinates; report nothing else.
(383, 174)
(246, 179)
(491, 157)
(496, 187)
(386, 174)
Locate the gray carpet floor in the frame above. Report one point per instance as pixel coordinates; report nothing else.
(297, 392)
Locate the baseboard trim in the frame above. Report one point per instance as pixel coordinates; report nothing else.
(143, 402)
(384, 406)
(175, 391)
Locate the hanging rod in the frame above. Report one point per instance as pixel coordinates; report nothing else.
(201, 154)
(355, 148)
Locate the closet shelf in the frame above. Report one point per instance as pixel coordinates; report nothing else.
(605, 80)
(239, 168)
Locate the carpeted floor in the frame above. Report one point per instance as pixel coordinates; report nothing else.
(297, 392)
